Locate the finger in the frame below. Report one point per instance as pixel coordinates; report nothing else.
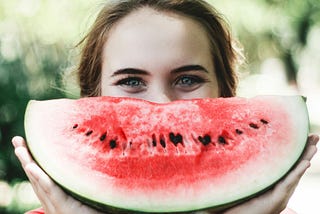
(38, 180)
(18, 141)
(313, 139)
(28, 165)
(21, 151)
(289, 183)
(311, 148)
(309, 152)
(23, 156)
(52, 197)
(285, 188)
(43, 198)
(50, 193)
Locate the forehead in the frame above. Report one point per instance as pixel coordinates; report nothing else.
(155, 33)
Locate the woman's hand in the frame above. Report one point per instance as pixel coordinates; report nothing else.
(51, 196)
(275, 200)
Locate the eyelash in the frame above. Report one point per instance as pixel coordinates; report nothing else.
(126, 79)
(195, 80)
(132, 88)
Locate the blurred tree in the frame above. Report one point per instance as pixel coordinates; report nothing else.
(273, 28)
(36, 37)
(35, 40)
(302, 17)
(17, 87)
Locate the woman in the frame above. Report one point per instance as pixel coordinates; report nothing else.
(158, 50)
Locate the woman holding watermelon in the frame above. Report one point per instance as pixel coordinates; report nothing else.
(159, 50)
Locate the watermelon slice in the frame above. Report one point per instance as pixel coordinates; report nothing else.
(134, 155)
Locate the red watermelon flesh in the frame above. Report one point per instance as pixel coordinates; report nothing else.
(174, 157)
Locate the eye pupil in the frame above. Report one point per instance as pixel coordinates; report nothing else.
(186, 80)
(189, 83)
(133, 82)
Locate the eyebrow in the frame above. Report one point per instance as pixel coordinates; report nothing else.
(130, 71)
(181, 69)
(189, 68)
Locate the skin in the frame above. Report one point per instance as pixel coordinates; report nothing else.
(159, 66)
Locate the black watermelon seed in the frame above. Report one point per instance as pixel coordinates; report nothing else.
(264, 121)
(89, 133)
(222, 140)
(154, 140)
(175, 139)
(253, 125)
(205, 140)
(75, 126)
(162, 142)
(113, 144)
(238, 131)
(103, 136)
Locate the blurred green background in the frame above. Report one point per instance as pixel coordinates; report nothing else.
(281, 41)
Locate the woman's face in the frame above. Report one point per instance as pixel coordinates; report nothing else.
(159, 57)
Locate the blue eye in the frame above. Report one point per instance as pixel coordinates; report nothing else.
(188, 81)
(132, 84)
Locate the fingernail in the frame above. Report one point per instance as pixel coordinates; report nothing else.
(315, 138)
(14, 141)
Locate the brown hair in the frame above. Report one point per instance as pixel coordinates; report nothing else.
(223, 53)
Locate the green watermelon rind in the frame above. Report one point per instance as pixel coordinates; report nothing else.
(104, 207)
